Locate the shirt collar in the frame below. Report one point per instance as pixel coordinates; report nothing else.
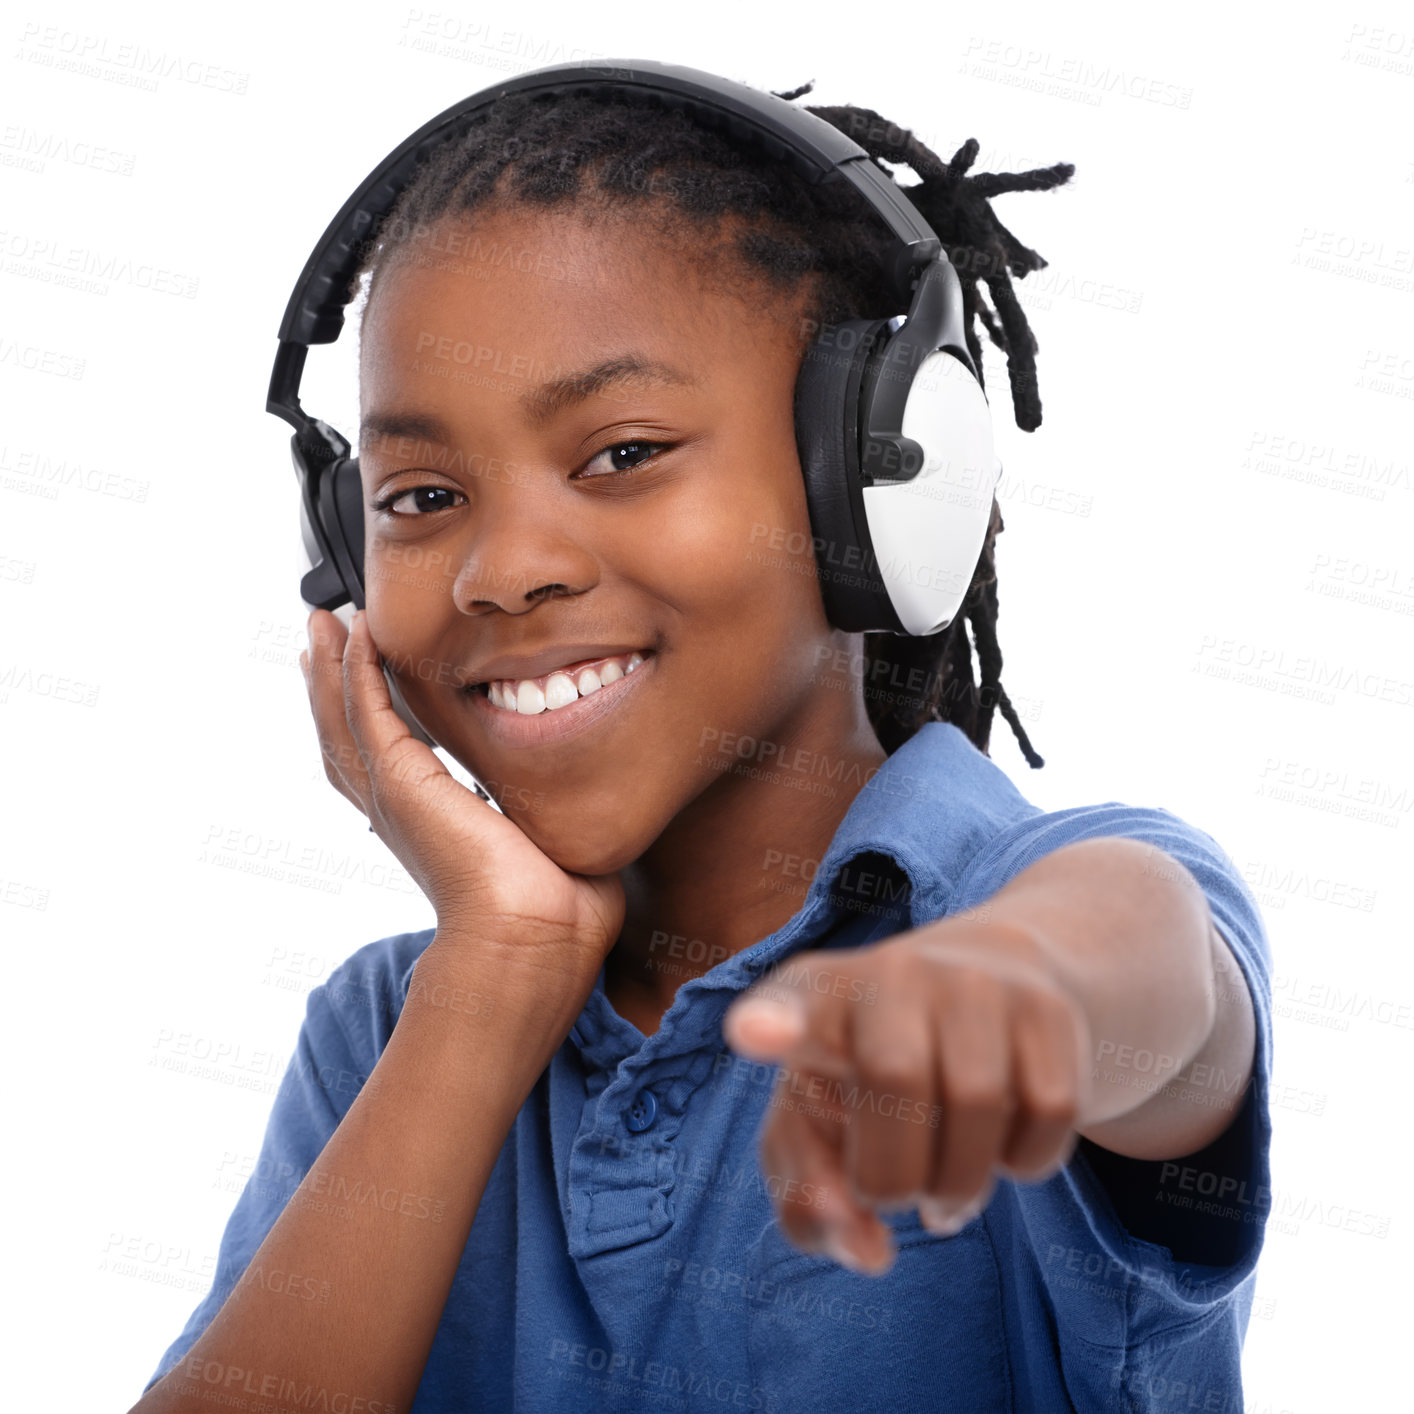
(928, 808)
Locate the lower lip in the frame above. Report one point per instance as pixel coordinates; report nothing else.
(560, 723)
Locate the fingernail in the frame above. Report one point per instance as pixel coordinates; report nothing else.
(763, 1009)
(763, 1014)
(944, 1220)
(837, 1246)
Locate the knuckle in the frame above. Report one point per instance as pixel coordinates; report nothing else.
(972, 983)
(1052, 1104)
(972, 1093)
(892, 1066)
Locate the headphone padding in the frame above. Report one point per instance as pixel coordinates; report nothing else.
(348, 507)
(827, 439)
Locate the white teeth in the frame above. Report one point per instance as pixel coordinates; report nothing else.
(560, 691)
(526, 697)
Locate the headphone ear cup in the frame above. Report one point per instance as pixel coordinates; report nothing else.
(827, 440)
(933, 526)
(346, 495)
(331, 534)
(341, 520)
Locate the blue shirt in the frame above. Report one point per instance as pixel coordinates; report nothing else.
(626, 1255)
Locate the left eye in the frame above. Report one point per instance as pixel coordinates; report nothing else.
(388, 502)
(640, 451)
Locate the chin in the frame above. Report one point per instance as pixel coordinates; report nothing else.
(578, 857)
(577, 846)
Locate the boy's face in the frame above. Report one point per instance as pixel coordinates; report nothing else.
(701, 553)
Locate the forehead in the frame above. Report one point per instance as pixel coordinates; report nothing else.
(557, 285)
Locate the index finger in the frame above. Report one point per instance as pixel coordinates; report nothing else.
(789, 1016)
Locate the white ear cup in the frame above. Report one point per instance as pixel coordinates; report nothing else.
(927, 533)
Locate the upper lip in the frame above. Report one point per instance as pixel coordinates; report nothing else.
(534, 665)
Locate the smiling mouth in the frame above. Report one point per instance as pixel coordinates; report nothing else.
(529, 697)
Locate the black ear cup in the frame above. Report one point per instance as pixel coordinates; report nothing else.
(341, 500)
(338, 578)
(827, 432)
(331, 523)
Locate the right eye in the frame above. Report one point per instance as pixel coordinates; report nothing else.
(423, 508)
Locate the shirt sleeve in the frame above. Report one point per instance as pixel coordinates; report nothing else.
(321, 1081)
(1130, 1248)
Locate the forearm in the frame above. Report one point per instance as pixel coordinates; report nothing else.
(370, 1278)
(1126, 930)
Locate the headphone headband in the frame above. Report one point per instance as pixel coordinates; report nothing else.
(813, 148)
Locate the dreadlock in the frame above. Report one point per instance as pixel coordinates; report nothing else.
(535, 149)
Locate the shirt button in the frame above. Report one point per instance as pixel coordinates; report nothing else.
(641, 1113)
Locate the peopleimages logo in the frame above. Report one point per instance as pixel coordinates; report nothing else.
(133, 65)
(55, 262)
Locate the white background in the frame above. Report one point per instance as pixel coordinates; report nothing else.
(1222, 475)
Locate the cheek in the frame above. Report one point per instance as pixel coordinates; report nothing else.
(746, 535)
(774, 502)
(745, 584)
(407, 589)
(772, 553)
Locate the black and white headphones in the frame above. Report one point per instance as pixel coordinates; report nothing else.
(892, 426)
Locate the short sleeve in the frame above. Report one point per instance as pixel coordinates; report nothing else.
(1131, 1248)
(320, 1083)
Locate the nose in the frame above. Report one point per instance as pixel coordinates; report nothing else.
(520, 551)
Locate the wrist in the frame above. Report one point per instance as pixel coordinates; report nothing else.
(503, 984)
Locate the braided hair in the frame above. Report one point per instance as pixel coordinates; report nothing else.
(619, 151)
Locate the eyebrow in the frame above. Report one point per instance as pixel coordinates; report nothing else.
(544, 403)
(541, 404)
(378, 425)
